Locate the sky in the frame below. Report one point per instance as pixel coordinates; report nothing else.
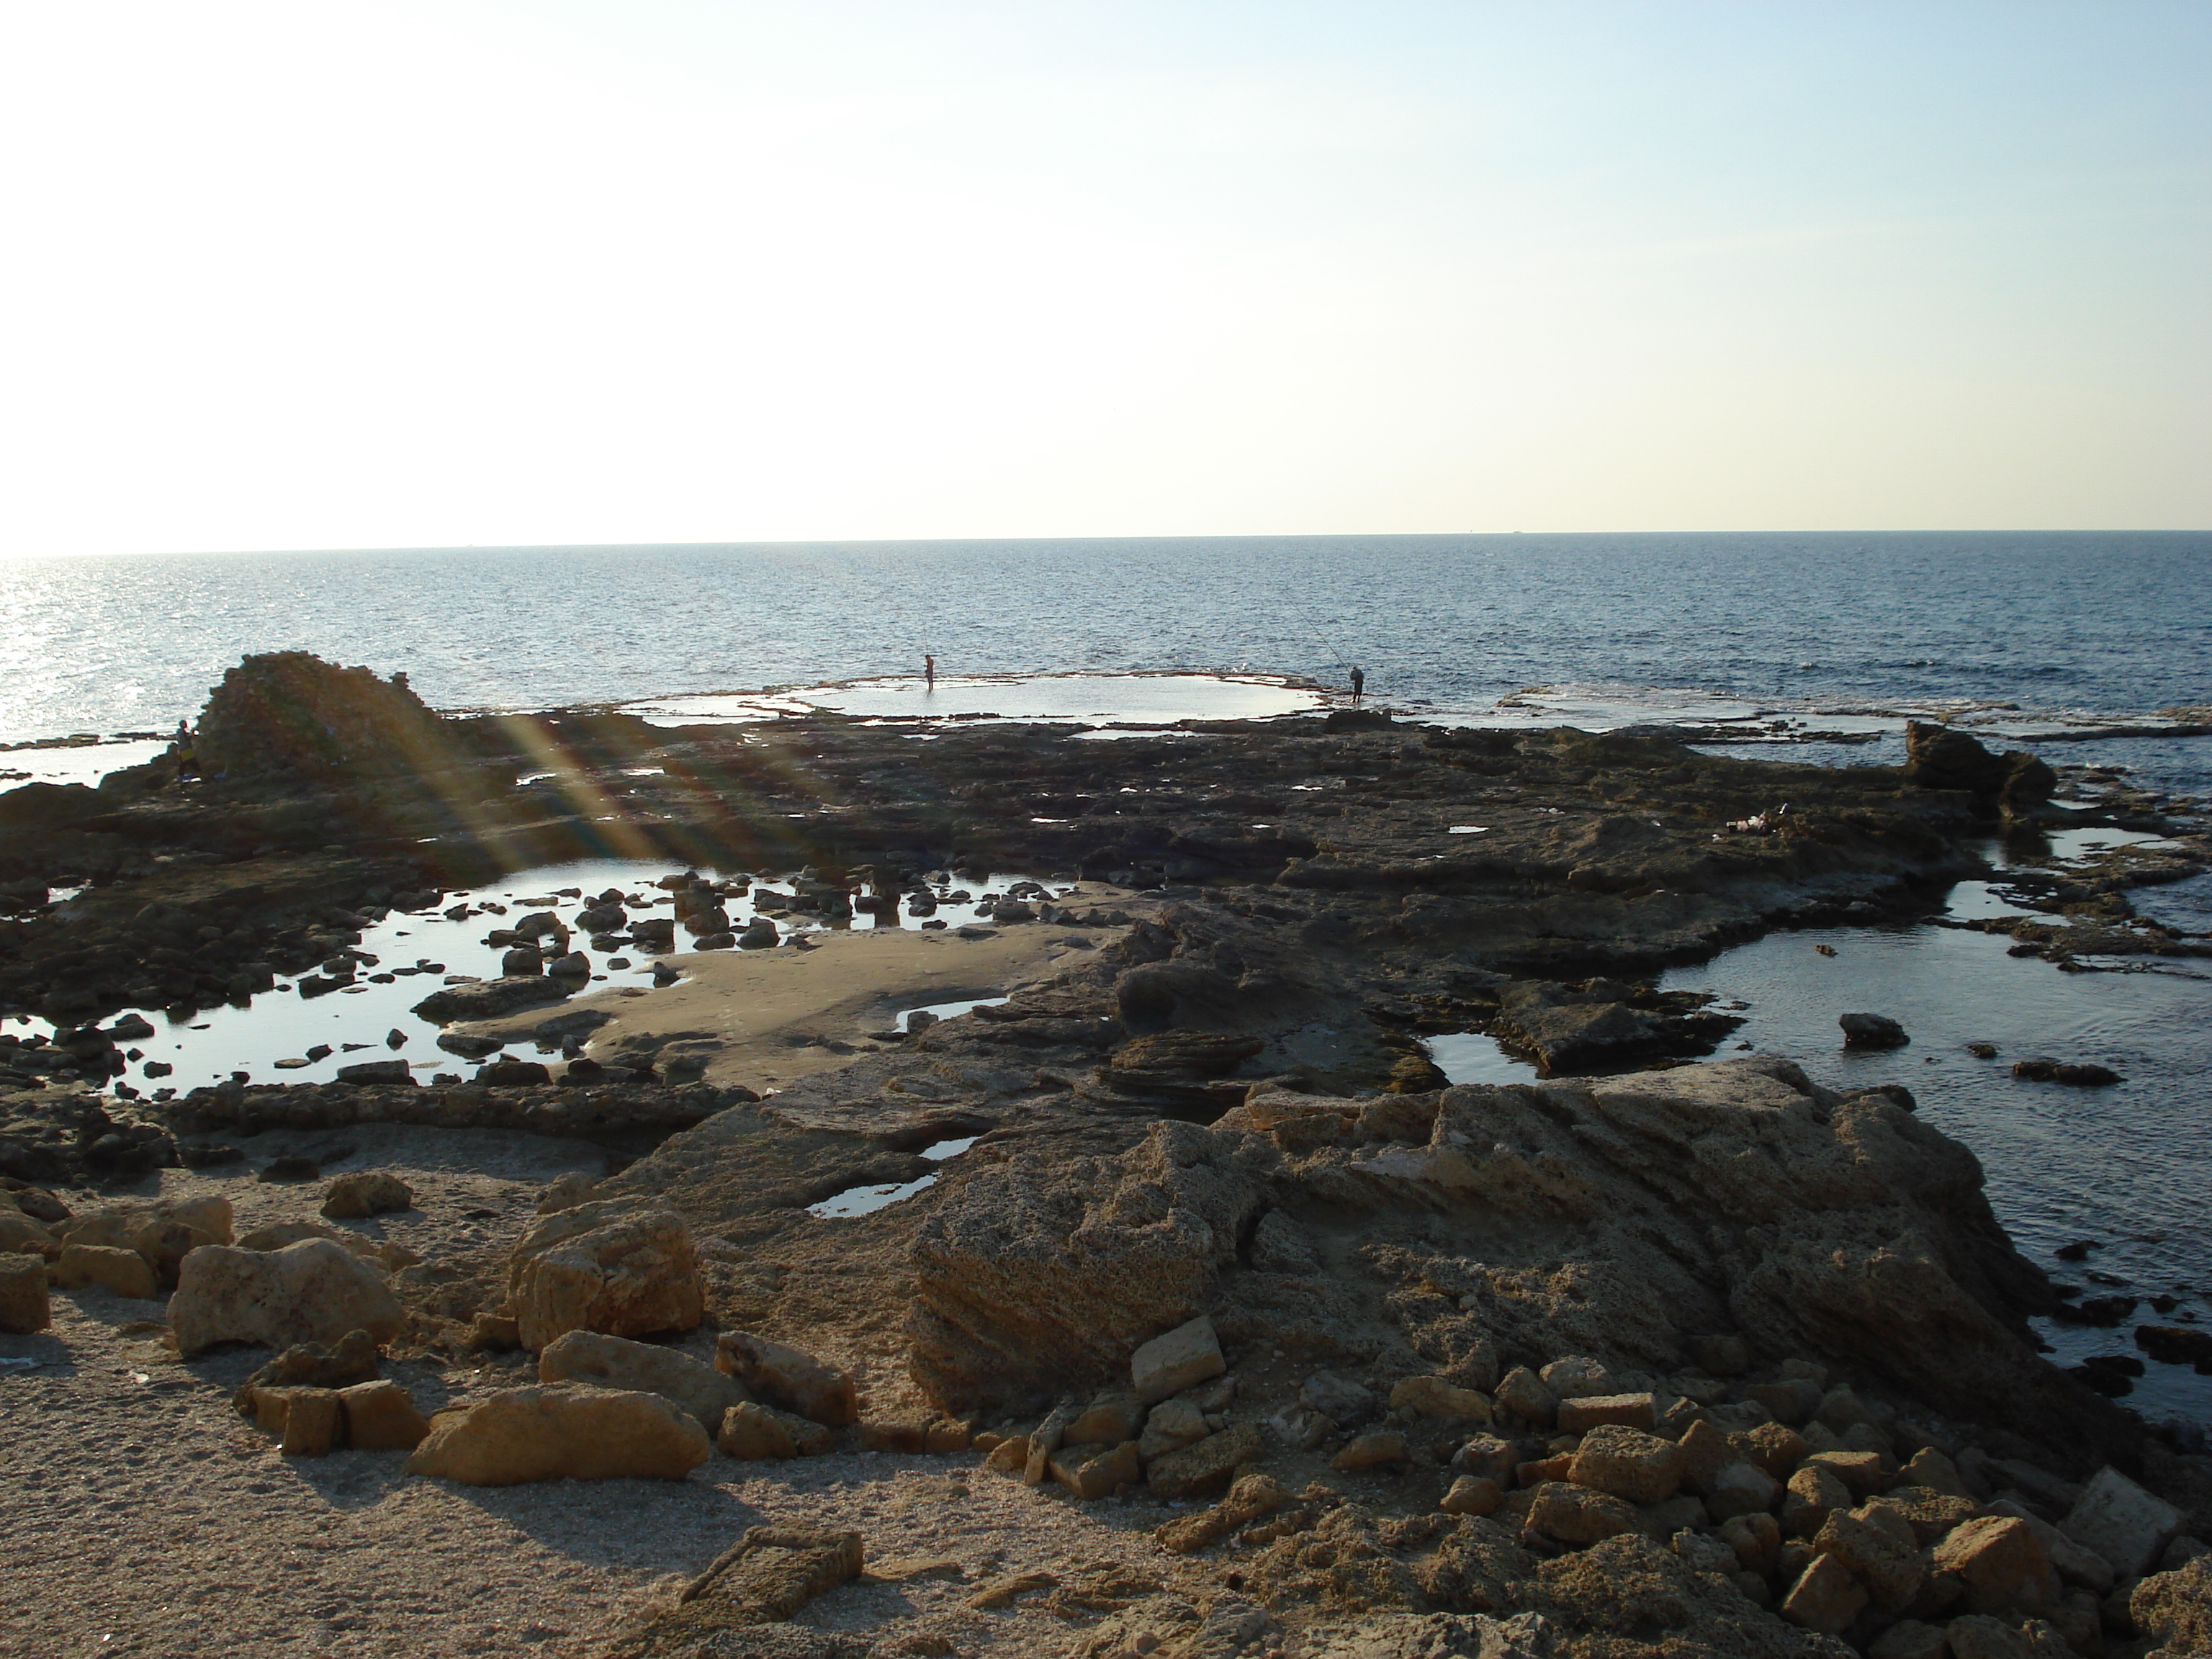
(361, 273)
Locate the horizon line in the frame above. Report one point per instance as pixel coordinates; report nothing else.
(936, 541)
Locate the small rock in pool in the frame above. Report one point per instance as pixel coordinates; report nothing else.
(1872, 1031)
(2077, 1251)
(2043, 1069)
(1982, 1050)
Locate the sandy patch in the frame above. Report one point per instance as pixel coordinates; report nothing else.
(145, 1519)
(766, 1018)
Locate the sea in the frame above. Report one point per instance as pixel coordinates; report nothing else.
(1790, 647)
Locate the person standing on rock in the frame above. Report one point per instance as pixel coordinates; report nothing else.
(188, 759)
(929, 670)
(1358, 683)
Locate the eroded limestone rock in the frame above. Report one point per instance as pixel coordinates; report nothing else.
(313, 1292)
(560, 1430)
(620, 1266)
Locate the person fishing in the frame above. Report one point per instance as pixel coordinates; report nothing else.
(929, 670)
(1358, 683)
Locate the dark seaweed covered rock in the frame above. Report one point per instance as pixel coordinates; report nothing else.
(290, 714)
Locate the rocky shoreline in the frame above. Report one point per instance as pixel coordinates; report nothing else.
(1457, 1340)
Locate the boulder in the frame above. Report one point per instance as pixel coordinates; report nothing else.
(162, 1232)
(620, 1266)
(1523, 1395)
(1178, 1360)
(1631, 1411)
(1110, 1420)
(23, 1304)
(1936, 758)
(562, 1430)
(1814, 1494)
(1205, 1466)
(357, 1197)
(289, 715)
(1825, 1597)
(1026, 1280)
(1171, 1426)
(1576, 1515)
(785, 1378)
(1471, 1494)
(1569, 1030)
(1880, 1548)
(2002, 1568)
(1431, 1396)
(1872, 1031)
(1628, 1463)
(614, 1361)
(102, 1267)
(277, 1234)
(751, 1430)
(2175, 1609)
(489, 999)
(20, 1235)
(2120, 1522)
(1487, 1456)
(312, 1421)
(377, 1072)
(313, 1292)
(1253, 1497)
(1092, 1471)
(1381, 1448)
(351, 1359)
(1740, 1488)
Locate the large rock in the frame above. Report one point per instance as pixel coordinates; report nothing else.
(23, 1304)
(351, 1359)
(1936, 758)
(1175, 1360)
(357, 1197)
(103, 1266)
(1205, 1466)
(2122, 1523)
(1569, 1029)
(313, 1292)
(490, 998)
(162, 1232)
(1627, 1463)
(614, 1361)
(1615, 1218)
(750, 1431)
(566, 1430)
(785, 1378)
(621, 1267)
(380, 1416)
(1034, 1274)
(2001, 1565)
(2175, 1609)
(292, 715)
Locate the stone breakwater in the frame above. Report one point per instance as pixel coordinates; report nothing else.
(1651, 1357)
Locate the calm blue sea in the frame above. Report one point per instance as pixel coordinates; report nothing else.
(2046, 622)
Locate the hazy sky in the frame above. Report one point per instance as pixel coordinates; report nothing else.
(316, 274)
